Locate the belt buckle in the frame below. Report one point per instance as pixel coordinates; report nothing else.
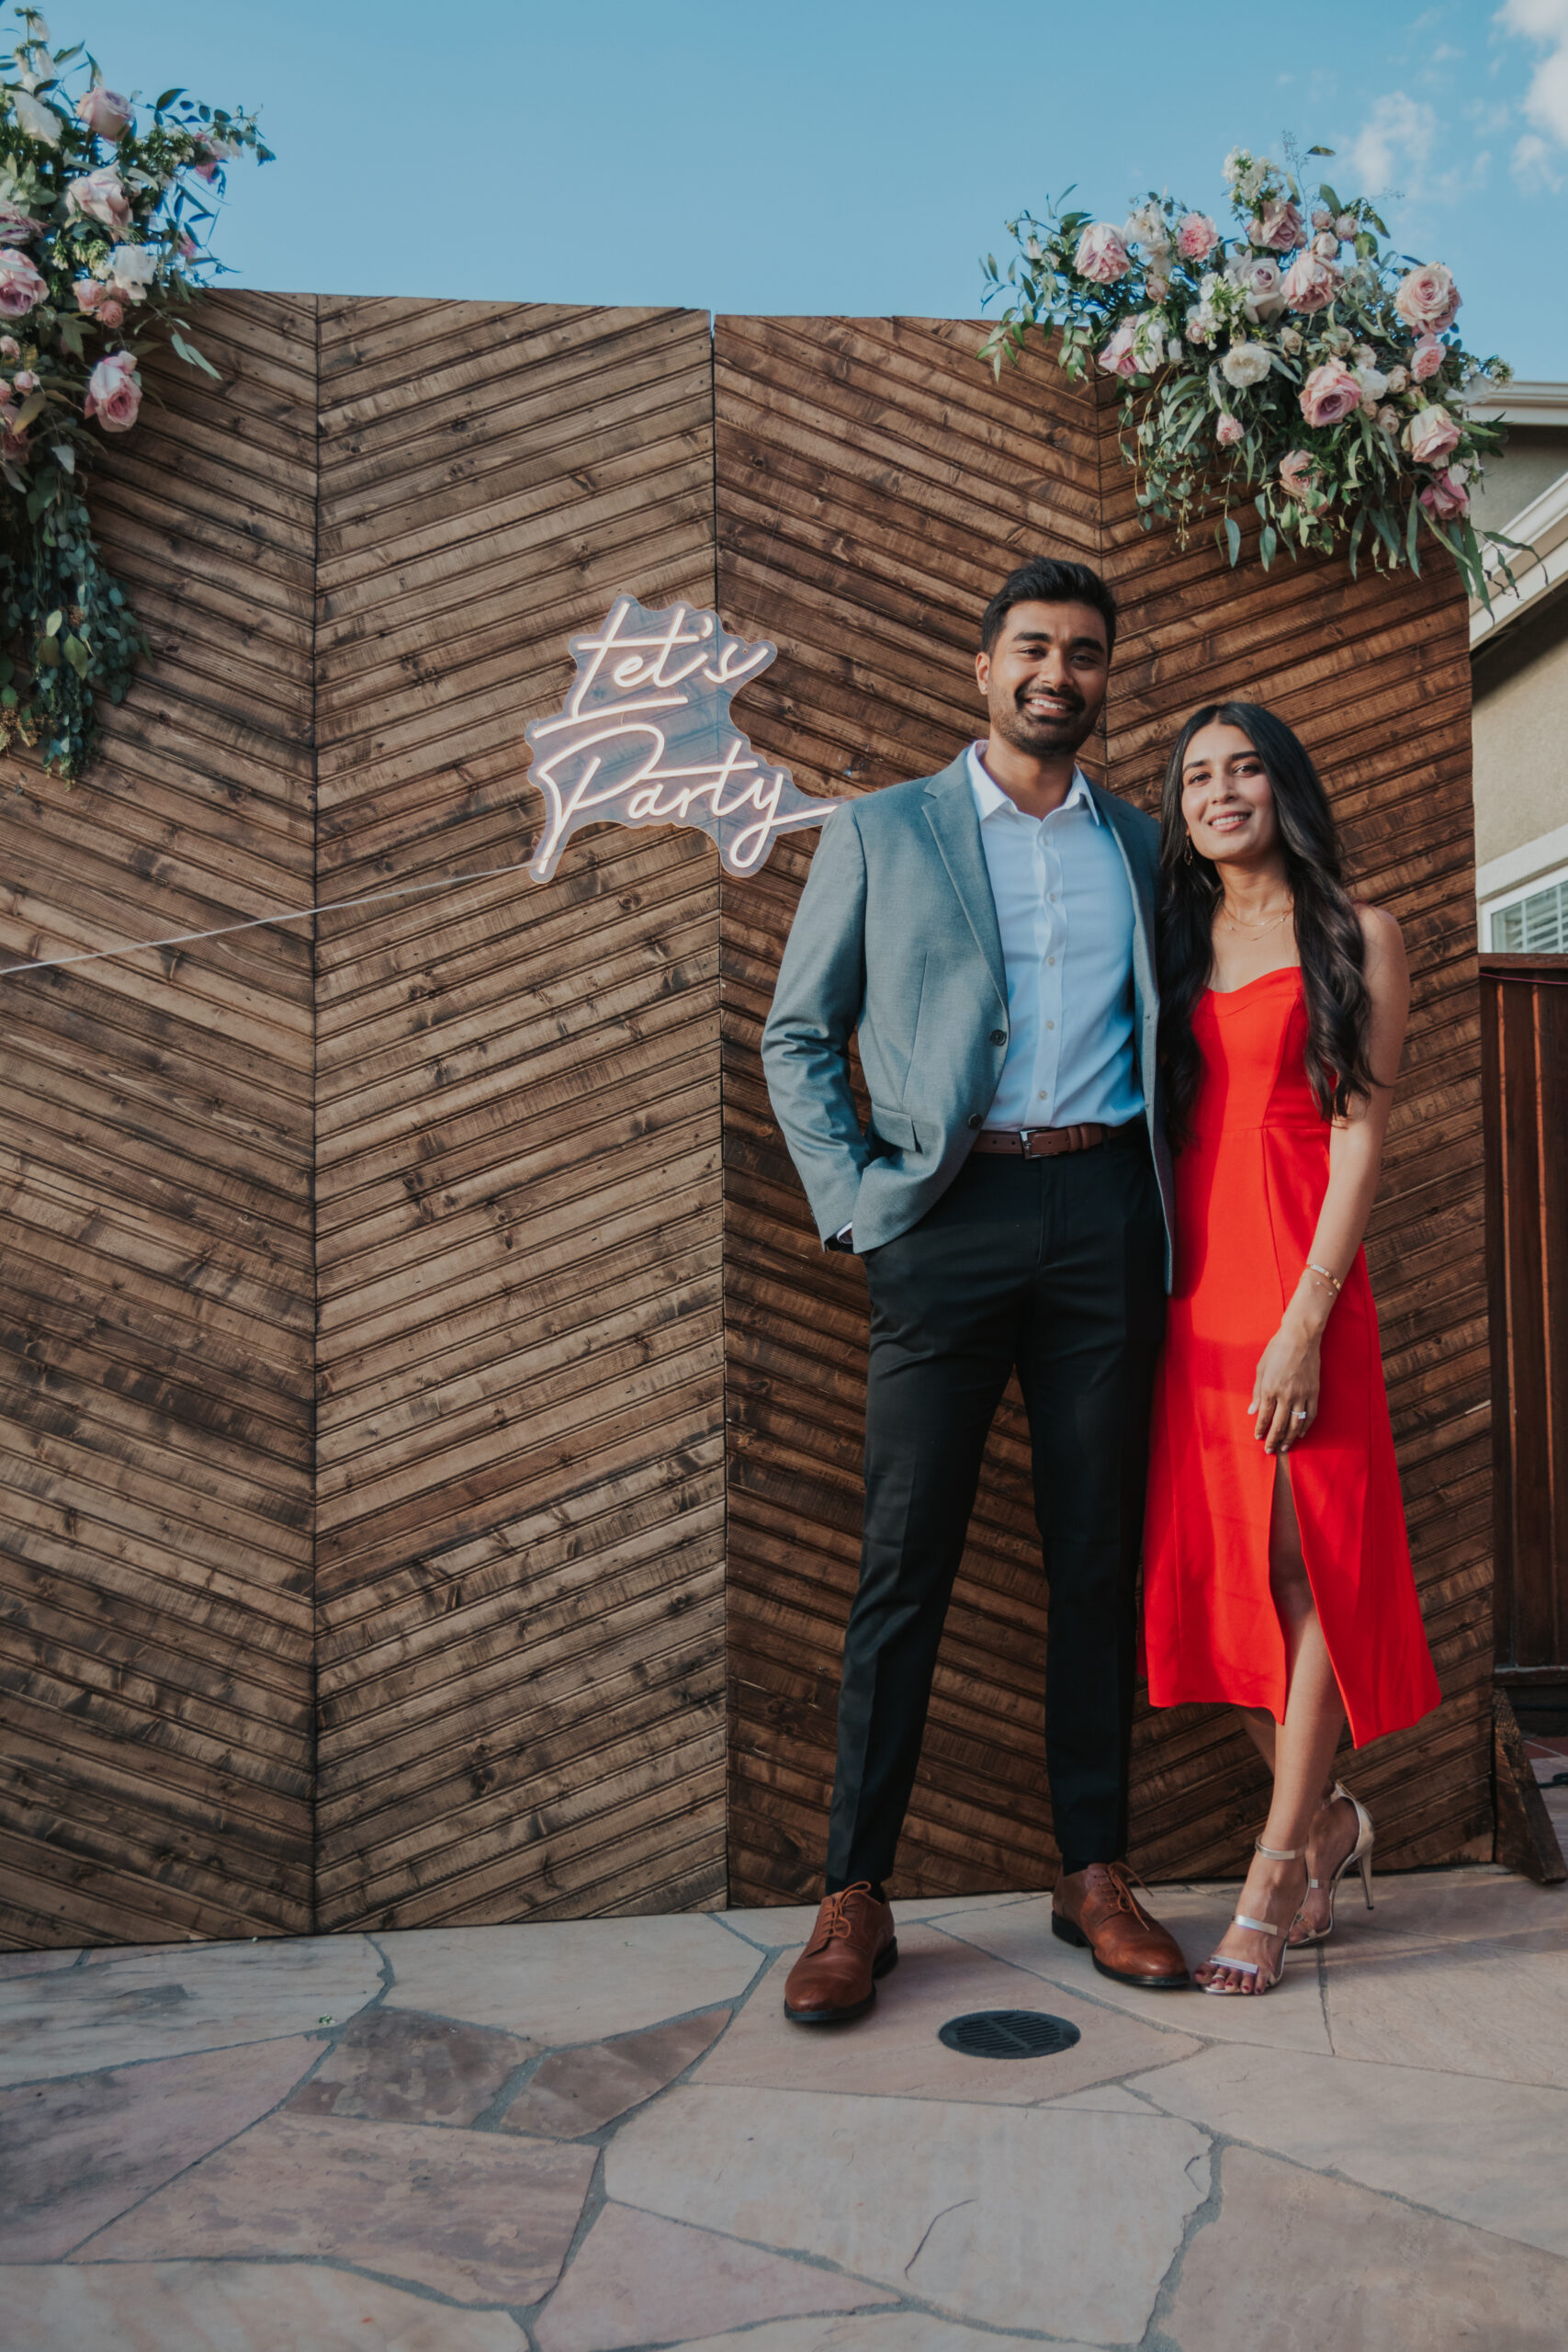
(1025, 1137)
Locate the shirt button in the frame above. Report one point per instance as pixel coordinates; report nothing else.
(999, 1037)
(1041, 1096)
(973, 1118)
(1050, 959)
(1050, 1025)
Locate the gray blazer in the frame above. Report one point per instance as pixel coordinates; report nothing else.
(896, 940)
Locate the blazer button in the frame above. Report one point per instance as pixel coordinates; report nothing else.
(973, 1118)
(999, 1037)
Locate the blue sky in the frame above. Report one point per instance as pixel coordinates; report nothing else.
(844, 155)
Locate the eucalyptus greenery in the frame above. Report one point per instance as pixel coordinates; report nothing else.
(1297, 363)
(105, 211)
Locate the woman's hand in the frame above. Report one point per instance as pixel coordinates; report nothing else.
(1285, 1388)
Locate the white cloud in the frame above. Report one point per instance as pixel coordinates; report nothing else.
(1532, 159)
(1395, 141)
(1545, 22)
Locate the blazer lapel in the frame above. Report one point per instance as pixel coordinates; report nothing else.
(1139, 872)
(950, 814)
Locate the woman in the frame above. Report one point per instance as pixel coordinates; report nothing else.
(1277, 1572)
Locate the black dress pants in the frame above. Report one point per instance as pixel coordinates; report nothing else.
(1054, 1267)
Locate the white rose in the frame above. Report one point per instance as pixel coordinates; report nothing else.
(1144, 227)
(1245, 364)
(1325, 247)
(1290, 340)
(131, 270)
(1390, 421)
(1262, 285)
(1398, 379)
(1345, 227)
(1373, 383)
(37, 120)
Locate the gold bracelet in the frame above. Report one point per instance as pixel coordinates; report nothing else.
(1334, 1284)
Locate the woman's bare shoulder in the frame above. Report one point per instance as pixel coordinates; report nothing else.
(1380, 934)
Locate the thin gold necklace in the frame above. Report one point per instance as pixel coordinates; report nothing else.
(1257, 928)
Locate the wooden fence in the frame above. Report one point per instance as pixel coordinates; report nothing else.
(415, 1343)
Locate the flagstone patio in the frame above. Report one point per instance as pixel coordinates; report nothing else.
(591, 2137)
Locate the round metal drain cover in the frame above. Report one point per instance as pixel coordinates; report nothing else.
(1008, 2034)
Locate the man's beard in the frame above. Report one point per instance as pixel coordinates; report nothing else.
(1040, 736)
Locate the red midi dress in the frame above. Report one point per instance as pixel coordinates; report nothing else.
(1250, 1187)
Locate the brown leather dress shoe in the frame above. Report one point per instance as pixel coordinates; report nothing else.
(851, 1945)
(1097, 1907)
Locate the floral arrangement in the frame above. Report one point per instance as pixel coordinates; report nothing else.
(102, 228)
(1295, 361)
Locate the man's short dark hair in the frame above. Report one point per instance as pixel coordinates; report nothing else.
(1043, 580)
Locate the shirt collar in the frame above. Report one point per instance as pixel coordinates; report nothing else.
(989, 796)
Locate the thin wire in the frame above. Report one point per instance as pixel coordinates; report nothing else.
(259, 922)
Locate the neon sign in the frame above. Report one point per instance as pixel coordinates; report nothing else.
(645, 738)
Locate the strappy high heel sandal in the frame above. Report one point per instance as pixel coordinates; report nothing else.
(1259, 1928)
(1360, 1857)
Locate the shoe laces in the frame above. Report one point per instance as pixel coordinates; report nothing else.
(833, 1919)
(1123, 1879)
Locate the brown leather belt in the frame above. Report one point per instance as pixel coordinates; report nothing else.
(1042, 1143)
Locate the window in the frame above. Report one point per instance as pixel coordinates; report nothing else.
(1534, 924)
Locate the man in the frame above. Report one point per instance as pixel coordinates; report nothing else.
(989, 933)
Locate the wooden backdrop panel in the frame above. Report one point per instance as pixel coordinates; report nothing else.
(1374, 675)
(520, 1493)
(873, 489)
(874, 486)
(157, 1310)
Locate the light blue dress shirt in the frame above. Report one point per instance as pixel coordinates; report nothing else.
(1064, 912)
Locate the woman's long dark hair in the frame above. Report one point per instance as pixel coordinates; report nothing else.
(1328, 931)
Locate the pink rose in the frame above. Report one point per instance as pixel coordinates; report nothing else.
(1345, 227)
(25, 382)
(9, 347)
(17, 227)
(1321, 217)
(1330, 394)
(1196, 236)
(106, 114)
(1430, 434)
(1428, 357)
(1101, 255)
(1427, 299)
(114, 393)
(211, 153)
(20, 286)
(1229, 431)
(102, 302)
(100, 196)
(1446, 497)
(1279, 228)
(1297, 472)
(1118, 357)
(1311, 283)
